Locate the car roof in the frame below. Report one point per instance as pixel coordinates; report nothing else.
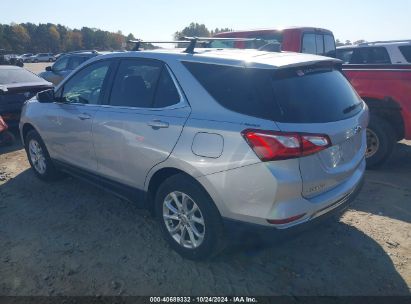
(234, 57)
(262, 30)
(375, 44)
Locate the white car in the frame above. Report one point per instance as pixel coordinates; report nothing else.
(379, 52)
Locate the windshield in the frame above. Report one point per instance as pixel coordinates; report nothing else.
(8, 76)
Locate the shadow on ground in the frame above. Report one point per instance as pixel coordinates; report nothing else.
(72, 239)
(388, 189)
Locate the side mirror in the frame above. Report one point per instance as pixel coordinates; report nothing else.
(46, 96)
(49, 69)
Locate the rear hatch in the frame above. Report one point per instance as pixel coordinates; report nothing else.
(12, 97)
(319, 100)
(320, 118)
(18, 85)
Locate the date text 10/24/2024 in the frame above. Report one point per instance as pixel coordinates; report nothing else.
(203, 300)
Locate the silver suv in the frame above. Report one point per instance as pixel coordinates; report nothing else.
(210, 141)
(42, 57)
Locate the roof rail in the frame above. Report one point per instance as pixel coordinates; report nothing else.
(381, 42)
(82, 51)
(192, 42)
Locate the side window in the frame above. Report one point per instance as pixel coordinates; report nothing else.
(406, 52)
(74, 62)
(166, 93)
(309, 44)
(86, 85)
(370, 55)
(329, 46)
(379, 56)
(359, 56)
(320, 44)
(345, 55)
(135, 83)
(61, 64)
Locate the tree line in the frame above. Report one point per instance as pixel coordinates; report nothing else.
(56, 38)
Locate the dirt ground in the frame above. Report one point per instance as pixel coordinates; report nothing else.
(69, 238)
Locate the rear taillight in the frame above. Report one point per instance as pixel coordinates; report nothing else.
(272, 145)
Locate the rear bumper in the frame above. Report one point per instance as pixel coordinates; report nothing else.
(239, 230)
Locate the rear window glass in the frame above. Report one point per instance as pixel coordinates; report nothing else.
(406, 52)
(8, 76)
(289, 95)
(329, 45)
(309, 44)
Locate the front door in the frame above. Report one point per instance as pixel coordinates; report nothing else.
(70, 117)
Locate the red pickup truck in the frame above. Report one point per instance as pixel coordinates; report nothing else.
(381, 74)
(309, 40)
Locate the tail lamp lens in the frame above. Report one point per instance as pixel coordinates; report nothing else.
(272, 145)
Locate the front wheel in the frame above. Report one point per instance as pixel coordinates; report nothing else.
(39, 157)
(381, 140)
(189, 220)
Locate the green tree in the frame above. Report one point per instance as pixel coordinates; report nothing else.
(338, 43)
(221, 30)
(54, 39)
(18, 38)
(193, 30)
(360, 41)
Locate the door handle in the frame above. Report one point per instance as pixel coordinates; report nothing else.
(158, 124)
(84, 116)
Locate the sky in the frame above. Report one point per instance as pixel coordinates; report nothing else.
(159, 19)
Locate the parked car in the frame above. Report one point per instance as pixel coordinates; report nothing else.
(208, 140)
(65, 65)
(308, 40)
(381, 74)
(26, 57)
(42, 57)
(9, 59)
(16, 86)
(6, 138)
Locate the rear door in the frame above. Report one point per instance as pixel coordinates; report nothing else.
(141, 121)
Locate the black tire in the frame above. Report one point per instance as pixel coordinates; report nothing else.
(50, 173)
(213, 241)
(380, 134)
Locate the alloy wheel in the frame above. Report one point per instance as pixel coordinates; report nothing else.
(37, 156)
(184, 220)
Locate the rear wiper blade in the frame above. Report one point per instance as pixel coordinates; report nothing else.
(351, 108)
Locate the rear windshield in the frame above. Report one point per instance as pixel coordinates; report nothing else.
(8, 76)
(312, 95)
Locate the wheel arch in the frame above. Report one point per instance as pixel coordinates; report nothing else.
(389, 110)
(27, 127)
(159, 176)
